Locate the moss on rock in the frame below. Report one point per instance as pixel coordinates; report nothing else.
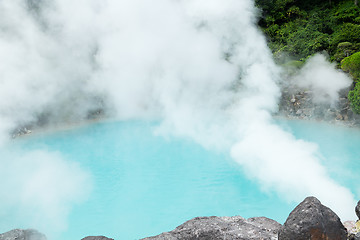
(351, 64)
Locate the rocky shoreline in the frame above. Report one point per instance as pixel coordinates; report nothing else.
(295, 103)
(309, 220)
(300, 103)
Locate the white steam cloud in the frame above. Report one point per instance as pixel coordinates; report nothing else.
(323, 79)
(200, 67)
(39, 189)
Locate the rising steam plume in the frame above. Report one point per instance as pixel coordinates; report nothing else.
(201, 68)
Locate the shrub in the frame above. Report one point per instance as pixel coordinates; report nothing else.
(354, 98)
(343, 50)
(351, 64)
(347, 12)
(347, 32)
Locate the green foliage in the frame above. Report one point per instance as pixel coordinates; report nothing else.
(344, 45)
(315, 41)
(347, 12)
(354, 98)
(351, 64)
(347, 32)
(345, 49)
(303, 28)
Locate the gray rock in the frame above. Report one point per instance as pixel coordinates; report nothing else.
(20, 234)
(312, 220)
(357, 209)
(357, 236)
(354, 236)
(224, 228)
(96, 238)
(350, 227)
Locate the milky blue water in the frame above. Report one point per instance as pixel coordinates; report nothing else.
(144, 184)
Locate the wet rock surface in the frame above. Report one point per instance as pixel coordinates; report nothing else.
(312, 220)
(216, 228)
(20, 234)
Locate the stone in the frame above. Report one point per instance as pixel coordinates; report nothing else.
(312, 220)
(339, 117)
(357, 209)
(21, 234)
(96, 238)
(350, 227)
(357, 236)
(216, 228)
(354, 236)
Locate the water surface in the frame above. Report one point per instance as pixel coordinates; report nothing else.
(145, 184)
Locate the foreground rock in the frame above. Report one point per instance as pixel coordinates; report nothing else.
(357, 209)
(354, 236)
(97, 238)
(20, 234)
(216, 228)
(312, 220)
(350, 227)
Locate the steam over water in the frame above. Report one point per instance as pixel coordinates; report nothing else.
(200, 68)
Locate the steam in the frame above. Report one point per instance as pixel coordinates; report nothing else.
(201, 68)
(323, 79)
(39, 189)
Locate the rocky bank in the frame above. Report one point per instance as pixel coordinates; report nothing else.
(301, 103)
(310, 220)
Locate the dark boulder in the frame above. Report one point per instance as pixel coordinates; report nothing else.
(312, 220)
(96, 238)
(20, 234)
(354, 236)
(216, 228)
(357, 209)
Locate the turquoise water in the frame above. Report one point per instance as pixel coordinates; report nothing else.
(339, 147)
(144, 185)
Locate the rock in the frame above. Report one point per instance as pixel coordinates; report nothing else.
(357, 209)
(312, 220)
(20, 234)
(216, 228)
(339, 117)
(354, 236)
(350, 227)
(357, 236)
(96, 238)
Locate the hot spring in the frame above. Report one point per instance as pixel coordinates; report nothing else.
(143, 184)
(191, 89)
